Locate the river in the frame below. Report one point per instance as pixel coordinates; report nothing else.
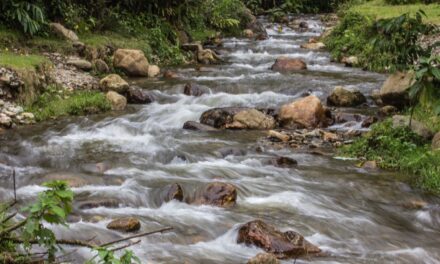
(354, 215)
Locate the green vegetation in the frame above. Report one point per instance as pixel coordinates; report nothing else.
(19, 61)
(56, 102)
(52, 206)
(380, 9)
(400, 149)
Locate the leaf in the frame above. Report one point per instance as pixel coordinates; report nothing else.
(59, 211)
(436, 73)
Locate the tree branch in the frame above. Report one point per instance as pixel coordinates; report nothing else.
(135, 236)
(126, 246)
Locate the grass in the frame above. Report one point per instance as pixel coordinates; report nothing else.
(53, 104)
(379, 9)
(18, 61)
(400, 149)
(202, 34)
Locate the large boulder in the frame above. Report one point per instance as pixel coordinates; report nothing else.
(113, 82)
(282, 244)
(264, 258)
(285, 64)
(395, 89)
(136, 95)
(345, 98)
(117, 101)
(417, 127)
(132, 62)
(217, 194)
(436, 141)
(63, 32)
(237, 118)
(126, 224)
(307, 112)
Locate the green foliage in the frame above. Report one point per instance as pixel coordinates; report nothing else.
(55, 102)
(426, 88)
(386, 45)
(397, 39)
(28, 15)
(399, 149)
(108, 257)
(18, 61)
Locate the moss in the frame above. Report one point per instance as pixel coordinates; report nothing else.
(202, 34)
(19, 61)
(55, 103)
(399, 149)
(379, 9)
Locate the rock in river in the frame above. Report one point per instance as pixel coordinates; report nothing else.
(136, 95)
(237, 118)
(282, 244)
(307, 112)
(117, 101)
(126, 224)
(345, 97)
(132, 62)
(285, 64)
(192, 125)
(217, 194)
(113, 82)
(264, 258)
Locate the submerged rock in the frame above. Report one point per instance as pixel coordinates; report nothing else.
(345, 98)
(172, 192)
(395, 89)
(126, 224)
(192, 89)
(136, 95)
(95, 203)
(132, 62)
(224, 152)
(264, 258)
(285, 64)
(217, 194)
(307, 112)
(282, 244)
(283, 162)
(193, 125)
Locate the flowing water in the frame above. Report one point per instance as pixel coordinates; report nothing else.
(354, 215)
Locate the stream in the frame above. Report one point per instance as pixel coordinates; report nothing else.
(354, 215)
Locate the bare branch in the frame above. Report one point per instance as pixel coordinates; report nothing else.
(126, 246)
(135, 236)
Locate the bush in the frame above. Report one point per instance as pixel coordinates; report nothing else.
(399, 149)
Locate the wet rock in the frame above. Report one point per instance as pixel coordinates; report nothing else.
(313, 46)
(101, 66)
(256, 26)
(436, 141)
(207, 56)
(132, 62)
(387, 110)
(153, 71)
(217, 194)
(370, 165)
(192, 89)
(251, 119)
(95, 203)
(170, 75)
(80, 64)
(126, 224)
(264, 258)
(351, 61)
(343, 117)
(192, 125)
(369, 121)
(307, 112)
(224, 152)
(283, 162)
(172, 192)
(72, 179)
(345, 98)
(285, 64)
(113, 82)
(415, 204)
(303, 24)
(283, 245)
(136, 95)
(237, 118)
(248, 33)
(395, 89)
(63, 32)
(277, 136)
(329, 137)
(416, 126)
(5, 121)
(117, 101)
